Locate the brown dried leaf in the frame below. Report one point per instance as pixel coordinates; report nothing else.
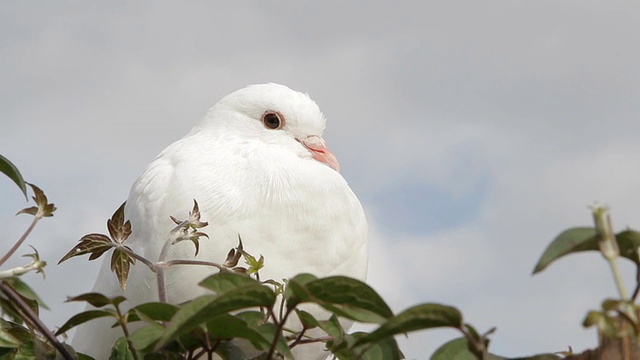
(31, 211)
(234, 255)
(43, 207)
(232, 258)
(94, 244)
(41, 200)
(197, 245)
(121, 264)
(194, 217)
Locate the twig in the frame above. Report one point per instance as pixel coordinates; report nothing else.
(21, 240)
(20, 270)
(194, 262)
(315, 340)
(34, 320)
(637, 290)
(276, 337)
(610, 251)
(298, 338)
(141, 258)
(162, 286)
(123, 324)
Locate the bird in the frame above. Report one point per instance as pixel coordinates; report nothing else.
(259, 168)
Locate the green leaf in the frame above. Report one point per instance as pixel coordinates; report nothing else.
(207, 307)
(268, 332)
(585, 239)
(386, 349)
(381, 350)
(227, 326)
(121, 351)
(419, 317)
(224, 282)
(252, 318)
(7, 340)
(333, 328)
(153, 311)
(456, 349)
(568, 242)
(121, 263)
(343, 296)
(97, 300)
(628, 243)
(9, 309)
(24, 290)
(612, 304)
(7, 168)
(254, 265)
(83, 317)
(147, 337)
(295, 292)
(307, 320)
(473, 332)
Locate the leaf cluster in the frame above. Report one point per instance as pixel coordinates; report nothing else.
(246, 317)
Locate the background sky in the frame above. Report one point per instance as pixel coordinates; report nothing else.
(473, 133)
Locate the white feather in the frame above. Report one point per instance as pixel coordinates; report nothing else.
(251, 181)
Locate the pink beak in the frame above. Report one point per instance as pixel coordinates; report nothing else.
(319, 151)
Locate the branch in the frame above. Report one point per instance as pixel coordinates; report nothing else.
(194, 262)
(123, 324)
(637, 290)
(20, 270)
(141, 258)
(276, 337)
(21, 240)
(33, 319)
(298, 338)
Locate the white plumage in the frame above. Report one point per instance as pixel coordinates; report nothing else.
(278, 188)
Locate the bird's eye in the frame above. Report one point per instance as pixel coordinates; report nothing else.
(272, 120)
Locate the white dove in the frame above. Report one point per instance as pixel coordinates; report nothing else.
(259, 168)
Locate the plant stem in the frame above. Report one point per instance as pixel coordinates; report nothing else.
(637, 290)
(162, 286)
(142, 259)
(20, 270)
(617, 275)
(298, 338)
(32, 318)
(123, 324)
(160, 267)
(276, 337)
(21, 240)
(194, 262)
(609, 249)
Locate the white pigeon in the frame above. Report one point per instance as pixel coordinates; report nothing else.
(259, 168)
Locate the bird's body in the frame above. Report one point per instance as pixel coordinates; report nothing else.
(275, 186)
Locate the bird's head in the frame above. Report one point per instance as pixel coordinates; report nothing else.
(276, 115)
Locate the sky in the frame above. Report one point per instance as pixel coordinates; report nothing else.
(472, 132)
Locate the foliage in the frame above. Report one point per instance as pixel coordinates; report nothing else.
(243, 307)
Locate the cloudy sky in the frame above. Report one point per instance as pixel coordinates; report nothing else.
(473, 133)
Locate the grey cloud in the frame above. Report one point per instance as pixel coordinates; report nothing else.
(538, 99)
